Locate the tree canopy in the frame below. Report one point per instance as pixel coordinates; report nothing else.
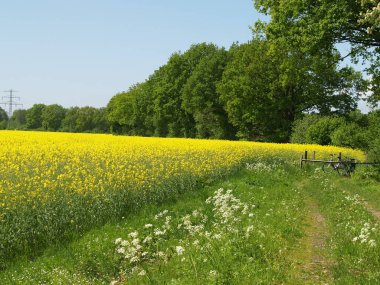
(318, 26)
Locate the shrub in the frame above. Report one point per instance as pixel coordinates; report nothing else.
(300, 127)
(321, 131)
(374, 136)
(350, 135)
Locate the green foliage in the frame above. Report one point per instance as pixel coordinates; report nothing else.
(3, 125)
(69, 122)
(85, 119)
(3, 115)
(33, 116)
(201, 100)
(246, 91)
(18, 119)
(355, 232)
(315, 27)
(3, 119)
(350, 135)
(301, 126)
(374, 137)
(52, 116)
(355, 130)
(266, 87)
(177, 100)
(130, 112)
(321, 131)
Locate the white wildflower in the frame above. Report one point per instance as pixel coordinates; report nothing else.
(147, 239)
(372, 243)
(134, 259)
(179, 249)
(121, 250)
(136, 242)
(217, 236)
(125, 243)
(142, 273)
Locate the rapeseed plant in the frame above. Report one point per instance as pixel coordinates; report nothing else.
(54, 186)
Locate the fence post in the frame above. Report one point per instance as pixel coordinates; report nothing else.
(314, 155)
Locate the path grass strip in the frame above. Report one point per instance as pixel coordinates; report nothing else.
(367, 189)
(355, 232)
(312, 263)
(248, 247)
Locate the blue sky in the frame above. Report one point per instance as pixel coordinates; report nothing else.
(83, 52)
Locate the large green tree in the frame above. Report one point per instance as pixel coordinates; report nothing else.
(171, 116)
(201, 99)
(318, 26)
(266, 86)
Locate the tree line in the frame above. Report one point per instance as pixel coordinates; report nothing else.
(57, 118)
(253, 91)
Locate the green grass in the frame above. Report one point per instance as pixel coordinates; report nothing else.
(354, 244)
(259, 240)
(231, 259)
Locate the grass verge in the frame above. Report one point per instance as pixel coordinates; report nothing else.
(187, 241)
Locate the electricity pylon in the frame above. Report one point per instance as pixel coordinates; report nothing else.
(10, 102)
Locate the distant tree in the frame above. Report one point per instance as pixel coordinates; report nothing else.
(100, 121)
(357, 117)
(85, 121)
(3, 115)
(33, 116)
(70, 120)
(321, 131)
(3, 119)
(18, 119)
(301, 126)
(52, 116)
(121, 112)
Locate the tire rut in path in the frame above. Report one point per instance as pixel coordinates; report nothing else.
(312, 265)
(375, 212)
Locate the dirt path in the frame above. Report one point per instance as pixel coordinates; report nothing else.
(375, 212)
(312, 265)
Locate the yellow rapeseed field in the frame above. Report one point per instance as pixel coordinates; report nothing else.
(54, 186)
(37, 164)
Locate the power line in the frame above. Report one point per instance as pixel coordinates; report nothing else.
(10, 101)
